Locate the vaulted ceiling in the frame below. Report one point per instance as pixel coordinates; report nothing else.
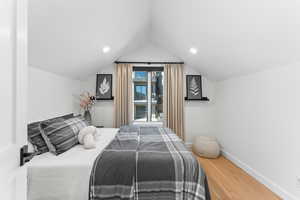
(233, 37)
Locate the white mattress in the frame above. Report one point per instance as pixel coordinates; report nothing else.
(66, 176)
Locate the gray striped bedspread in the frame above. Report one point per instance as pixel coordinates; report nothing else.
(146, 163)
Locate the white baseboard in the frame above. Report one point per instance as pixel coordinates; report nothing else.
(262, 179)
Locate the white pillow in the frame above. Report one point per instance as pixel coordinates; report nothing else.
(86, 137)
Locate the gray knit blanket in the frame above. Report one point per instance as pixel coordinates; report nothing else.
(146, 163)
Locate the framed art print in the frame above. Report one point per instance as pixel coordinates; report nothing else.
(104, 87)
(193, 87)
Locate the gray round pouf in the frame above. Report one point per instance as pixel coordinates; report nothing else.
(206, 146)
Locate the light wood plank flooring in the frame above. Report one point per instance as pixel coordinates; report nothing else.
(227, 181)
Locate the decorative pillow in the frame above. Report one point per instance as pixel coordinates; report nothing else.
(35, 137)
(63, 135)
(86, 137)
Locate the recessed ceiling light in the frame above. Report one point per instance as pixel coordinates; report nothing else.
(193, 50)
(105, 49)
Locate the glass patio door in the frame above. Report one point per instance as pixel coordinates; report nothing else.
(148, 94)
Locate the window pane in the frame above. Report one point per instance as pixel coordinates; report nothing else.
(157, 81)
(140, 112)
(140, 76)
(140, 86)
(140, 92)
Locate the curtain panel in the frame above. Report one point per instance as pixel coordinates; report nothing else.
(123, 95)
(173, 99)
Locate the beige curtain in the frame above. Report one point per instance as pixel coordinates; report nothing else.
(173, 101)
(123, 95)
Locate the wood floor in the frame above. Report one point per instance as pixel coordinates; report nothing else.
(227, 181)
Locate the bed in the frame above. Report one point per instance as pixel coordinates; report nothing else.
(80, 174)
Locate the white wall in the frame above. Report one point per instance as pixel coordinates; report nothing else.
(199, 116)
(149, 52)
(258, 118)
(51, 95)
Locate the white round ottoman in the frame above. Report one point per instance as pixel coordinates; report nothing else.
(206, 146)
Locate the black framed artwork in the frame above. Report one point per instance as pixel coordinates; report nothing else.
(193, 87)
(104, 87)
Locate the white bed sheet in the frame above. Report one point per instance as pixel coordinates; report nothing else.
(65, 177)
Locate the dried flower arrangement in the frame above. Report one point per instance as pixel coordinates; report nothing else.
(87, 101)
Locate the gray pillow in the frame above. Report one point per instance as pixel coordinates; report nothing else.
(35, 137)
(60, 136)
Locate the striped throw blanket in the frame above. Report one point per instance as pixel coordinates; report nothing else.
(146, 163)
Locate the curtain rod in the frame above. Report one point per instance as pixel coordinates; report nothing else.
(149, 63)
